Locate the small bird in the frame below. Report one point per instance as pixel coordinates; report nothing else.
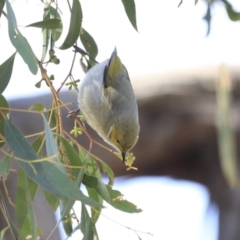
(108, 104)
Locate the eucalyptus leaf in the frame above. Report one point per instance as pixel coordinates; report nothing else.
(89, 43)
(98, 185)
(45, 174)
(109, 172)
(232, 14)
(5, 165)
(20, 42)
(51, 146)
(21, 196)
(86, 225)
(52, 200)
(95, 213)
(47, 24)
(75, 25)
(119, 203)
(2, 2)
(4, 105)
(56, 33)
(129, 6)
(13, 228)
(26, 229)
(6, 72)
(31, 215)
(46, 33)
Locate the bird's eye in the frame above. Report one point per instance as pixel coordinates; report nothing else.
(118, 141)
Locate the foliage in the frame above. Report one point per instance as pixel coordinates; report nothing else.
(55, 161)
(232, 14)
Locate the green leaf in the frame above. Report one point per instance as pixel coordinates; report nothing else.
(20, 42)
(2, 233)
(98, 185)
(95, 213)
(47, 24)
(45, 174)
(5, 165)
(56, 34)
(31, 216)
(46, 33)
(67, 225)
(2, 2)
(52, 200)
(75, 25)
(225, 130)
(26, 229)
(6, 72)
(51, 147)
(52, 116)
(129, 6)
(232, 14)
(72, 155)
(118, 202)
(13, 228)
(86, 225)
(21, 197)
(38, 107)
(109, 172)
(3, 104)
(38, 144)
(66, 205)
(89, 43)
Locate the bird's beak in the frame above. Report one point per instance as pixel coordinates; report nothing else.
(115, 65)
(123, 157)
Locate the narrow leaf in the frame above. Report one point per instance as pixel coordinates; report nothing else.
(89, 43)
(51, 146)
(6, 72)
(26, 229)
(95, 213)
(45, 32)
(5, 165)
(47, 24)
(20, 42)
(129, 6)
(75, 25)
(21, 197)
(38, 144)
(86, 224)
(38, 107)
(109, 172)
(56, 34)
(13, 228)
(45, 174)
(52, 200)
(118, 202)
(232, 14)
(2, 2)
(31, 216)
(4, 105)
(98, 185)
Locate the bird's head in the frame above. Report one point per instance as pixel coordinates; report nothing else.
(124, 136)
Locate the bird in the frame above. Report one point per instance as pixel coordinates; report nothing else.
(107, 102)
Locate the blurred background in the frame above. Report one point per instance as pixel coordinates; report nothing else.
(173, 65)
